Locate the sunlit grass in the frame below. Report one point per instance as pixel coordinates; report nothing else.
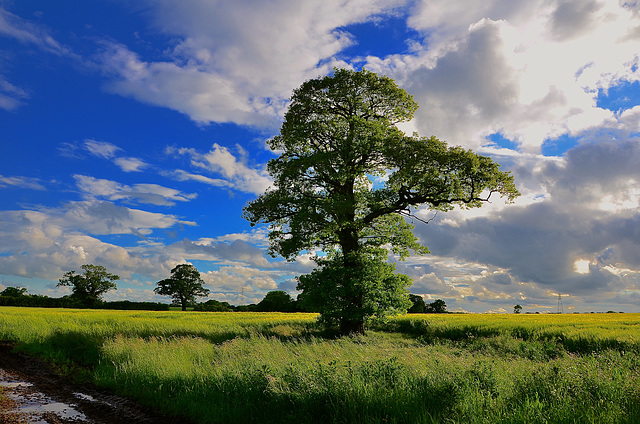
(251, 367)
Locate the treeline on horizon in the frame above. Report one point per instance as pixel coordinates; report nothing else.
(274, 301)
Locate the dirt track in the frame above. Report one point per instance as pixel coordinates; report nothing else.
(36, 394)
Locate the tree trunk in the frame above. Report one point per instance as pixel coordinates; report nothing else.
(354, 324)
(349, 327)
(351, 249)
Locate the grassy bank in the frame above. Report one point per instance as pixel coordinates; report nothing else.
(234, 367)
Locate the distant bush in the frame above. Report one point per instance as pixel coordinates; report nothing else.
(126, 305)
(40, 301)
(213, 306)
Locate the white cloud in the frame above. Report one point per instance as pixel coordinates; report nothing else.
(106, 218)
(141, 193)
(237, 62)
(28, 33)
(527, 69)
(11, 97)
(21, 182)
(130, 164)
(565, 242)
(102, 149)
(235, 173)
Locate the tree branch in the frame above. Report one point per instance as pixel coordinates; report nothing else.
(408, 213)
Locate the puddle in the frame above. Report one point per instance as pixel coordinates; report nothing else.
(36, 404)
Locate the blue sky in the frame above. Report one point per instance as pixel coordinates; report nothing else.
(132, 136)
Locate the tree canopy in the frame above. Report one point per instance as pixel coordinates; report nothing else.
(277, 301)
(183, 286)
(345, 182)
(89, 287)
(418, 306)
(13, 291)
(438, 306)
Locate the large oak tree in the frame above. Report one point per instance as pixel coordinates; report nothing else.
(344, 184)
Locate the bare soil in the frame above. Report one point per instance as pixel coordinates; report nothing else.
(32, 392)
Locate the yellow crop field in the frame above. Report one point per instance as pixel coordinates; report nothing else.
(276, 367)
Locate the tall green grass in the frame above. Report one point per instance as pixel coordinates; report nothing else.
(277, 368)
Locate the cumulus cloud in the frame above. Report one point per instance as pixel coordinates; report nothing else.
(581, 239)
(529, 70)
(236, 62)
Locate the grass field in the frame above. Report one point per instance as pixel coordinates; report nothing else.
(272, 368)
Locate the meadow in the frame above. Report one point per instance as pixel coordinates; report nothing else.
(281, 368)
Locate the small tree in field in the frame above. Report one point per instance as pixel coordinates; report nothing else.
(418, 307)
(12, 291)
(89, 287)
(277, 301)
(183, 286)
(346, 181)
(438, 306)
(517, 309)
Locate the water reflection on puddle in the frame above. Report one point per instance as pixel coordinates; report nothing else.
(34, 403)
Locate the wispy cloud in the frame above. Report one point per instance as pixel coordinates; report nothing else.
(11, 97)
(130, 164)
(138, 193)
(21, 182)
(26, 32)
(102, 149)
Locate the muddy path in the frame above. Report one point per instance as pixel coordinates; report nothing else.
(34, 393)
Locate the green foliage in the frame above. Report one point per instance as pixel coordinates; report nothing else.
(517, 309)
(14, 291)
(213, 305)
(88, 288)
(418, 305)
(184, 285)
(277, 301)
(344, 295)
(127, 305)
(438, 306)
(338, 135)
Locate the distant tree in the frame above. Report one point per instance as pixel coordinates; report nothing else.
(277, 301)
(418, 307)
(184, 285)
(212, 305)
(517, 309)
(437, 307)
(14, 292)
(252, 307)
(88, 288)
